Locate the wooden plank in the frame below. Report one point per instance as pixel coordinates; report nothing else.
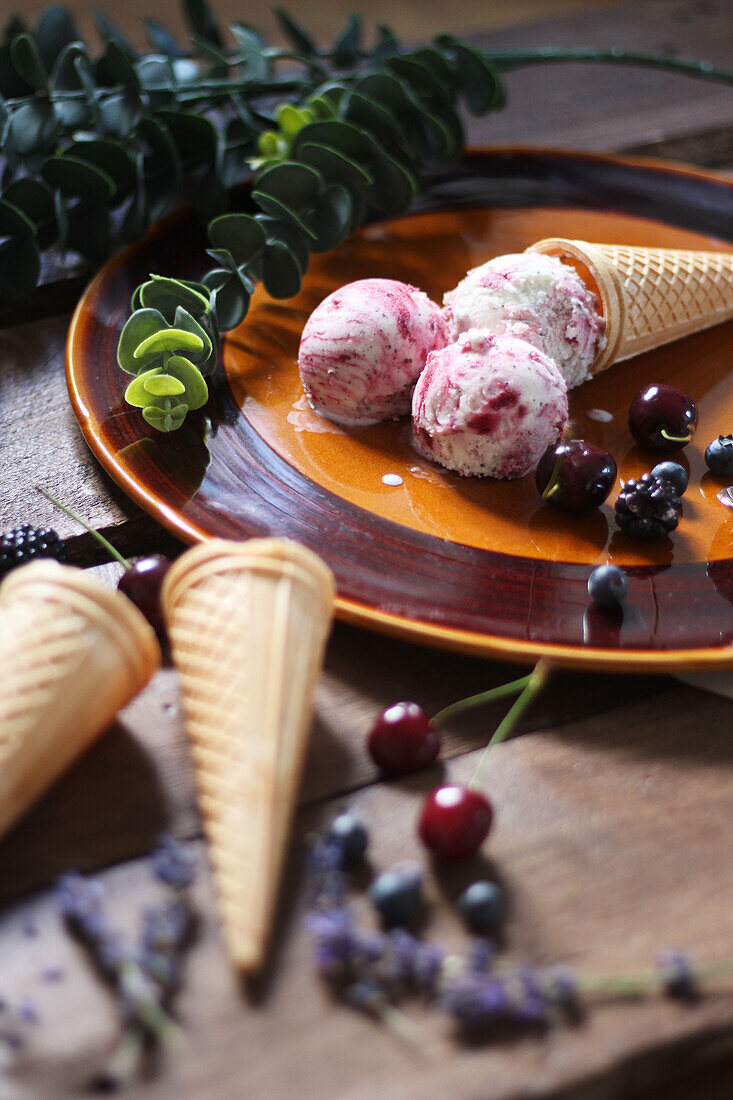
(607, 852)
(137, 780)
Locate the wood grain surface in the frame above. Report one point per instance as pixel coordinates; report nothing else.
(614, 806)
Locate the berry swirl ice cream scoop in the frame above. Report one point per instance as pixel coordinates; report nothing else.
(536, 298)
(488, 405)
(363, 348)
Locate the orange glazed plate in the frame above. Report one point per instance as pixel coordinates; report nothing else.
(472, 564)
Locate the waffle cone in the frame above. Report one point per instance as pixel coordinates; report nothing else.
(248, 624)
(72, 654)
(650, 296)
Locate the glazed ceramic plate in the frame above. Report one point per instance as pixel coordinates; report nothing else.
(474, 564)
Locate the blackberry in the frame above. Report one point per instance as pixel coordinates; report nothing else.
(648, 508)
(26, 543)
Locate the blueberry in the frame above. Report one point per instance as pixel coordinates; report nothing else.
(351, 833)
(397, 895)
(719, 456)
(481, 905)
(608, 585)
(675, 474)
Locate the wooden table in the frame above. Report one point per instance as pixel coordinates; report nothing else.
(615, 806)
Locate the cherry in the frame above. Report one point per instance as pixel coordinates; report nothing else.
(575, 476)
(141, 583)
(662, 418)
(455, 822)
(403, 739)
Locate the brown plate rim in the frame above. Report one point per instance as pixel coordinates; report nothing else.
(362, 614)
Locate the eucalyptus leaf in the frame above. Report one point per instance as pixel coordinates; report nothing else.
(168, 339)
(291, 237)
(419, 77)
(385, 46)
(346, 47)
(32, 127)
(330, 218)
(73, 176)
(111, 33)
(119, 114)
(14, 222)
(55, 30)
(29, 63)
(280, 271)
(394, 186)
(240, 234)
(20, 268)
(251, 51)
(230, 297)
(136, 220)
(378, 120)
(35, 199)
(166, 295)
(65, 78)
(279, 209)
(434, 60)
(183, 321)
(165, 417)
(195, 136)
(162, 384)
(295, 33)
(11, 85)
(295, 185)
(194, 384)
(162, 40)
(112, 158)
(115, 67)
(336, 166)
(157, 79)
(136, 393)
(163, 169)
(480, 84)
(143, 324)
(201, 20)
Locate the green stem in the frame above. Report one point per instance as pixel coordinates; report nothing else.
(447, 713)
(704, 70)
(92, 530)
(535, 683)
(675, 438)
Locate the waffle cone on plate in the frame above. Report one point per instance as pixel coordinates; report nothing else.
(650, 296)
(248, 624)
(72, 653)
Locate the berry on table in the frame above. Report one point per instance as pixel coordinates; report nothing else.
(719, 456)
(141, 583)
(608, 585)
(674, 473)
(403, 739)
(455, 822)
(397, 895)
(648, 508)
(350, 833)
(662, 418)
(27, 543)
(575, 476)
(481, 905)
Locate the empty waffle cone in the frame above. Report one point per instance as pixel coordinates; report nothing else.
(649, 296)
(72, 654)
(248, 624)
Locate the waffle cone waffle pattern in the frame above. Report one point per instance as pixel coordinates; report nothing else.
(72, 653)
(248, 624)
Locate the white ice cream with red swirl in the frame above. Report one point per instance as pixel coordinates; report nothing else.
(488, 405)
(536, 298)
(363, 348)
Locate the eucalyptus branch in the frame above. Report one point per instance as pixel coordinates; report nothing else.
(505, 60)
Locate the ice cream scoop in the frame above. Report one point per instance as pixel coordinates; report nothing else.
(488, 405)
(536, 298)
(363, 348)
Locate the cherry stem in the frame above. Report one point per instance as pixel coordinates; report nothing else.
(483, 697)
(675, 438)
(554, 483)
(534, 685)
(92, 530)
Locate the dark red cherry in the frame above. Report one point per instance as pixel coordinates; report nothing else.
(575, 476)
(141, 583)
(455, 822)
(662, 418)
(403, 739)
